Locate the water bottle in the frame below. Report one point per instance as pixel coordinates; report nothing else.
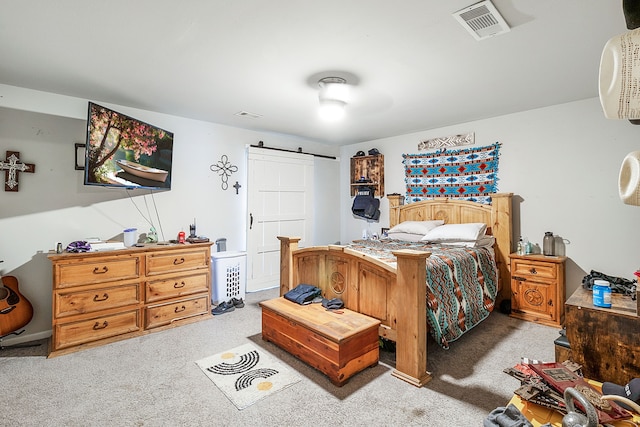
(548, 243)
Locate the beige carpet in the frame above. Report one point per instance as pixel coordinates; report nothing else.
(153, 380)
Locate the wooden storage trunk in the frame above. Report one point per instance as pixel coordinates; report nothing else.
(337, 344)
(605, 341)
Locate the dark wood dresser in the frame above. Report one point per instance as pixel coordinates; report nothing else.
(605, 341)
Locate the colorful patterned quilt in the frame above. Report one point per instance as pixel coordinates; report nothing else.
(462, 284)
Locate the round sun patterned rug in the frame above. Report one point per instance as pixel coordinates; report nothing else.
(247, 374)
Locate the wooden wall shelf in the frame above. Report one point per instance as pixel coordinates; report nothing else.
(370, 168)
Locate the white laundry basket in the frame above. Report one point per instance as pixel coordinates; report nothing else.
(228, 275)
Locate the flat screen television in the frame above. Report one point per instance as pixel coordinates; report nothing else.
(124, 152)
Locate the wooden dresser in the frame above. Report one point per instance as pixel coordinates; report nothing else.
(537, 288)
(102, 297)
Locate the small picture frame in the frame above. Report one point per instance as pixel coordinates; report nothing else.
(80, 153)
(385, 233)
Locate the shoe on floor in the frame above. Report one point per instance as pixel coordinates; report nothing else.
(223, 307)
(237, 303)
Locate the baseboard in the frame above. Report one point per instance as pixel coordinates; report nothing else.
(23, 338)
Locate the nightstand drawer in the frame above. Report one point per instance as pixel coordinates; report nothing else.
(523, 267)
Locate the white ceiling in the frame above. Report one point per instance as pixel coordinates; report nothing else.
(412, 65)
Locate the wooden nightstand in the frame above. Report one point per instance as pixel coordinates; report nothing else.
(537, 288)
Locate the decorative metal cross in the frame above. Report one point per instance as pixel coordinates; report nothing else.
(12, 167)
(224, 168)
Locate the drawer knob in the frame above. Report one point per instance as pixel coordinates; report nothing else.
(98, 326)
(179, 285)
(533, 270)
(100, 270)
(104, 297)
(179, 309)
(178, 261)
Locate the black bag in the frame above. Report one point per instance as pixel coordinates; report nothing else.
(618, 284)
(365, 205)
(303, 294)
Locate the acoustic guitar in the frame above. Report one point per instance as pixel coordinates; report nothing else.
(15, 310)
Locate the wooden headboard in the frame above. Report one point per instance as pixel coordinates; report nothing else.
(497, 216)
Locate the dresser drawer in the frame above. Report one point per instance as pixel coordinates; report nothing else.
(164, 314)
(97, 271)
(176, 287)
(91, 300)
(523, 267)
(76, 333)
(166, 262)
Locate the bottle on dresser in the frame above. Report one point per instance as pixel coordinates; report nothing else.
(520, 249)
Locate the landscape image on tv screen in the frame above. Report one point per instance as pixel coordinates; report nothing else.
(124, 152)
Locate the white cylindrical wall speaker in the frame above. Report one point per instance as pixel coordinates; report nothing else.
(629, 179)
(619, 76)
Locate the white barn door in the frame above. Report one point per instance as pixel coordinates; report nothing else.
(280, 192)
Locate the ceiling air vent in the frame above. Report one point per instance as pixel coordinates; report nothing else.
(248, 114)
(482, 20)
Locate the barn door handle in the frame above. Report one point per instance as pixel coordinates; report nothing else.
(250, 221)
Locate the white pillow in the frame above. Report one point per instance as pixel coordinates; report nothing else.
(416, 227)
(456, 232)
(483, 242)
(407, 237)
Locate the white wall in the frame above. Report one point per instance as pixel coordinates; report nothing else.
(562, 165)
(326, 220)
(52, 205)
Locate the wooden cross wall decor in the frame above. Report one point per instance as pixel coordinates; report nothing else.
(12, 168)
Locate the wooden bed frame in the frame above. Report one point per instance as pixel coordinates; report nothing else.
(396, 296)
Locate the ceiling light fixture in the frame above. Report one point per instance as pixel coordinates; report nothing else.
(333, 97)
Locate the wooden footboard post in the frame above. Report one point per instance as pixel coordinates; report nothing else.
(287, 246)
(411, 306)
